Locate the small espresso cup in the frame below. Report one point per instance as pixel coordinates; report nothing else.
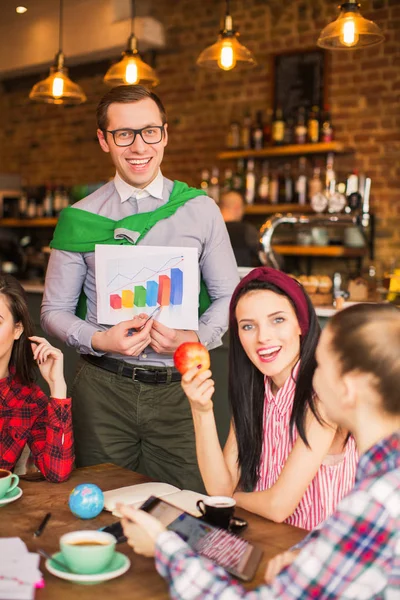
(8, 481)
(217, 510)
(87, 552)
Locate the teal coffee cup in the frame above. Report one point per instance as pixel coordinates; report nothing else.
(87, 552)
(8, 481)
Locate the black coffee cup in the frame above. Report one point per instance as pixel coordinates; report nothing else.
(217, 510)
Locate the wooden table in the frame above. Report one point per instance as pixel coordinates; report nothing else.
(21, 518)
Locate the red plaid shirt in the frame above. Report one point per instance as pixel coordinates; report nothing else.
(28, 416)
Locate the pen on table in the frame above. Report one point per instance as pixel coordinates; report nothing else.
(133, 330)
(42, 525)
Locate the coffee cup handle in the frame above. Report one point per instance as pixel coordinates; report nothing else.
(14, 482)
(200, 506)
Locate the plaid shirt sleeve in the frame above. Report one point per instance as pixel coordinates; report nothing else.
(51, 439)
(349, 557)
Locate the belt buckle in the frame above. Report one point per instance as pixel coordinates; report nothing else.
(134, 372)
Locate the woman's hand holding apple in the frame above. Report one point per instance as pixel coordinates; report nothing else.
(192, 359)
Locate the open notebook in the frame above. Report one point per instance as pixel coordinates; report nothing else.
(137, 494)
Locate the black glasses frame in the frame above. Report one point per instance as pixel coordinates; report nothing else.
(136, 132)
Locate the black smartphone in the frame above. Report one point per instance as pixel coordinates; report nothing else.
(226, 549)
(116, 530)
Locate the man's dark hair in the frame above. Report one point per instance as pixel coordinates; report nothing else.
(125, 94)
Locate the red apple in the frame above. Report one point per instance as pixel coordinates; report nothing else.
(191, 354)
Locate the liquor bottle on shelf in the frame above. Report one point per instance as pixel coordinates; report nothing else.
(288, 137)
(300, 132)
(318, 200)
(313, 125)
(205, 180)
(64, 197)
(227, 185)
(330, 175)
(274, 188)
(58, 201)
(23, 204)
(267, 134)
(238, 178)
(289, 185)
(250, 192)
(233, 136)
(315, 185)
(263, 186)
(326, 127)
(246, 132)
(213, 188)
(301, 183)
(281, 186)
(278, 128)
(257, 133)
(48, 202)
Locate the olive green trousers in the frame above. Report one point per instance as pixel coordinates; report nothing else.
(143, 427)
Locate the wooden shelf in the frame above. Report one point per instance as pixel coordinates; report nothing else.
(327, 251)
(44, 222)
(269, 209)
(290, 150)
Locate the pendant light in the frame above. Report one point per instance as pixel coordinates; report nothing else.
(227, 52)
(58, 87)
(131, 69)
(350, 30)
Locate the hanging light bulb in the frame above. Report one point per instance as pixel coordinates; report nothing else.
(58, 88)
(227, 52)
(131, 69)
(350, 30)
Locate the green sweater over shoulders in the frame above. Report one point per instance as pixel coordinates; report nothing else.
(79, 230)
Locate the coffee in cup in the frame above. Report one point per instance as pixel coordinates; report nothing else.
(87, 552)
(217, 510)
(8, 481)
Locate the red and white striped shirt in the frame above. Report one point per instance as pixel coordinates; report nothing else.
(333, 480)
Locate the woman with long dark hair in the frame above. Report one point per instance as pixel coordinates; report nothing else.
(27, 415)
(282, 459)
(355, 553)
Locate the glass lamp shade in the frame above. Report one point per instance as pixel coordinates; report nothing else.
(131, 70)
(57, 89)
(226, 53)
(350, 30)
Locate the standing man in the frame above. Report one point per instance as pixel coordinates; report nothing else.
(245, 237)
(128, 401)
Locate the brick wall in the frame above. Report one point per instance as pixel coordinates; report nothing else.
(57, 144)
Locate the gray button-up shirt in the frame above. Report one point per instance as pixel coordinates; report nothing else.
(197, 224)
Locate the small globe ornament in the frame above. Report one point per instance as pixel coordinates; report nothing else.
(86, 501)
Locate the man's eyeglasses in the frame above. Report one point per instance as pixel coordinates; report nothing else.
(126, 137)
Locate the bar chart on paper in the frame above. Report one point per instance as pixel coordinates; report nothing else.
(136, 280)
(147, 287)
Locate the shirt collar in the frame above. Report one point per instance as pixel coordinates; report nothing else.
(285, 395)
(380, 458)
(126, 191)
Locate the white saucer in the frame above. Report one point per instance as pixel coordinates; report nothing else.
(119, 565)
(11, 496)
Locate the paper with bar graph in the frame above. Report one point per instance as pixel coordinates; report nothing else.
(137, 279)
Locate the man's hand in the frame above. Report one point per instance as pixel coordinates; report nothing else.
(141, 529)
(165, 340)
(118, 339)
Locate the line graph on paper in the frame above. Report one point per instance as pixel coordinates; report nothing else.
(138, 279)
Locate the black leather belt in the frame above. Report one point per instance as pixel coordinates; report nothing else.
(143, 374)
